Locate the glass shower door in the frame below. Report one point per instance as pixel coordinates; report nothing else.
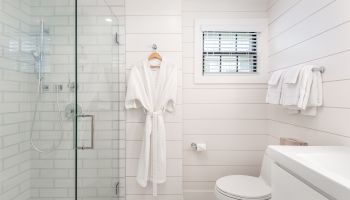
(50, 44)
(97, 101)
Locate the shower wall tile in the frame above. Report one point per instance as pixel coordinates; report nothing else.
(15, 50)
(100, 72)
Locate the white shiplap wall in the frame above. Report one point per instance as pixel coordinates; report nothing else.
(313, 32)
(148, 22)
(230, 118)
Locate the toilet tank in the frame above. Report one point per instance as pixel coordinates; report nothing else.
(265, 171)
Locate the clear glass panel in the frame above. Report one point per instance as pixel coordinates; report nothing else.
(98, 99)
(37, 70)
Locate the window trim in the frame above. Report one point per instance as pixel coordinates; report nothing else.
(240, 25)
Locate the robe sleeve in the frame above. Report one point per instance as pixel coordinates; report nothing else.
(171, 91)
(135, 90)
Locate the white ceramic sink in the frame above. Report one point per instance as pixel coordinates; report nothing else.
(326, 168)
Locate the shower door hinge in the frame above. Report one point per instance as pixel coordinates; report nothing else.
(117, 189)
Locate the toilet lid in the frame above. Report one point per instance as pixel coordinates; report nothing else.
(247, 187)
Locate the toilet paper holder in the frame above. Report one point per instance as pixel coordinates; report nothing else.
(194, 146)
(199, 146)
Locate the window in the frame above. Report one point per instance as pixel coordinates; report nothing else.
(229, 52)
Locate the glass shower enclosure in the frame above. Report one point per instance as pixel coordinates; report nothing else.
(59, 102)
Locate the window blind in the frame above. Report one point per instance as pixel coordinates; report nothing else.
(229, 52)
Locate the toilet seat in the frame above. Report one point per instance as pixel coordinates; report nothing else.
(239, 187)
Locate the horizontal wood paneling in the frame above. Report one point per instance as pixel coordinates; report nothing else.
(173, 149)
(174, 167)
(152, 7)
(173, 186)
(224, 96)
(212, 173)
(225, 111)
(224, 5)
(311, 26)
(313, 32)
(302, 11)
(227, 142)
(164, 24)
(222, 127)
(230, 118)
(160, 22)
(136, 131)
(222, 158)
(144, 42)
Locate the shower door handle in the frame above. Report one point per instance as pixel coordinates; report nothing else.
(92, 132)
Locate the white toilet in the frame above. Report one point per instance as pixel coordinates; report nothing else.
(240, 187)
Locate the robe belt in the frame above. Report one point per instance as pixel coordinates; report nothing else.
(155, 116)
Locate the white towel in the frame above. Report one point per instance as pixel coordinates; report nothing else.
(295, 81)
(315, 99)
(292, 75)
(298, 89)
(316, 91)
(304, 93)
(275, 78)
(275, 87)
(305, 89)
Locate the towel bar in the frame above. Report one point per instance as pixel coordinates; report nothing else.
(320, 69)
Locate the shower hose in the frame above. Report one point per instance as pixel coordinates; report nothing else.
(59, 113)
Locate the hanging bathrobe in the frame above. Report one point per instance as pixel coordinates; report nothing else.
(153, 90)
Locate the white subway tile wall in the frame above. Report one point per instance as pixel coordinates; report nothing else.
(26, 174)
(17, 86)
(321, 28)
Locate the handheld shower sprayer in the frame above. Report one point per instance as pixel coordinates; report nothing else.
(38, 56)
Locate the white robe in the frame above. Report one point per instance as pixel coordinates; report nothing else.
(154, 90)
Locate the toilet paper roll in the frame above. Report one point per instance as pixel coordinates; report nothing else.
(201, 147)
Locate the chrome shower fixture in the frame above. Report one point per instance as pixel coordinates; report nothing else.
(36, 56)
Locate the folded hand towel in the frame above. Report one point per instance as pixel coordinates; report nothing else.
(305, 88)
(295, 80)
(292, 75)
(275, 78)
(316, 91)
(315, 98)
(275, 88)
(298, 89)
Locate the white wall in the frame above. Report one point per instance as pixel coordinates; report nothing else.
(230, 118)
(313, 32)
(148, 22)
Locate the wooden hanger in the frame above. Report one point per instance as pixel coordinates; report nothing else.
(155, 55)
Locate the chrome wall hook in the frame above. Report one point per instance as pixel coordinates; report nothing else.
(154, 47)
